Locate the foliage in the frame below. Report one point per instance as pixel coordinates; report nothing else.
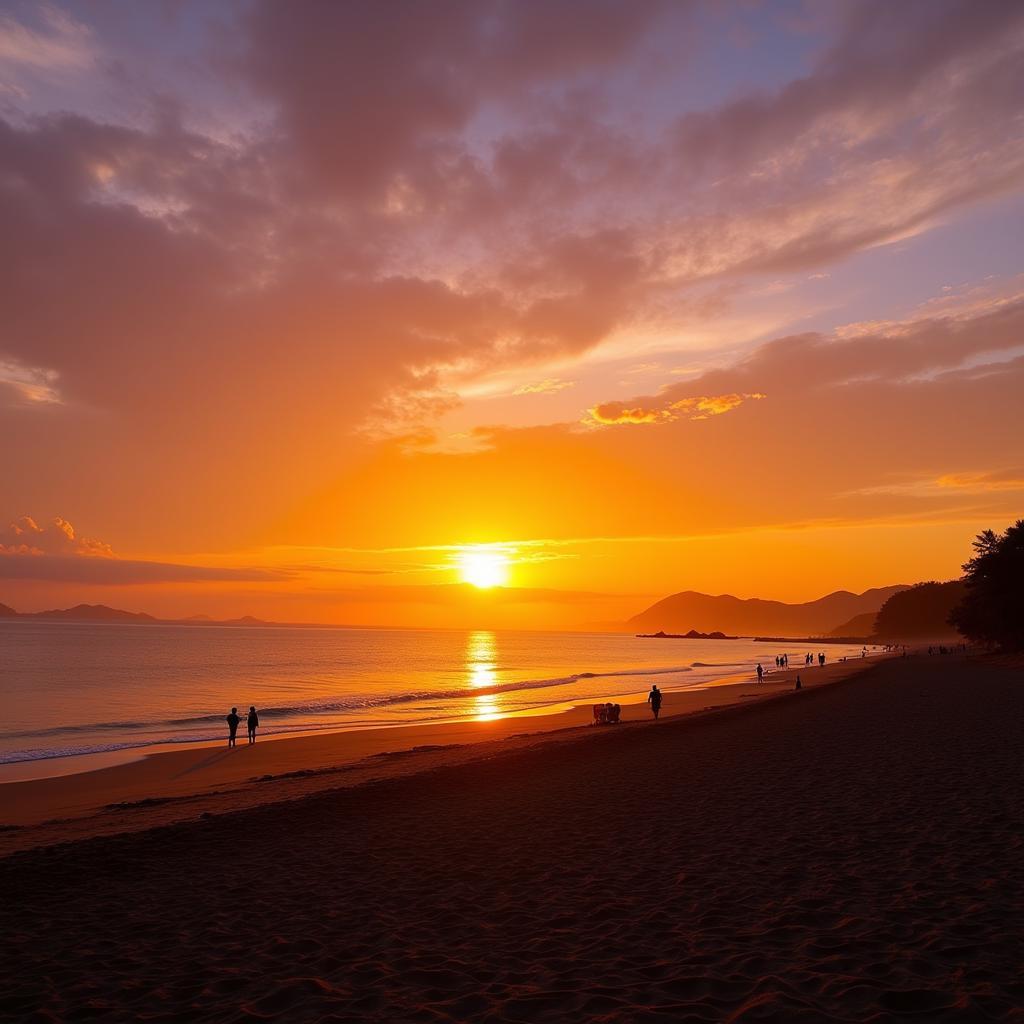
(922, 611)
(992, 611)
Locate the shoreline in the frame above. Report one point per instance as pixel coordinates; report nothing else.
(173, 785)
(58, 763)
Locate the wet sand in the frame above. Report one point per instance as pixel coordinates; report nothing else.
(851, 852)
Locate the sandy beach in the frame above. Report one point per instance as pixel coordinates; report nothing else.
(851, 852)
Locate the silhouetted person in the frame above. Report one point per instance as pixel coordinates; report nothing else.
(654, 699)
(252, 721)
(760, 673)
(232, 721)
(799, 685)
(821, 659)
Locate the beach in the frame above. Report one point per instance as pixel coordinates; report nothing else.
(150, 789)
(849, 852)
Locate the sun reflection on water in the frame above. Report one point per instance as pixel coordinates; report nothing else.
(482, 673)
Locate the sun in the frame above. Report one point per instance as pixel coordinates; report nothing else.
(483, 567)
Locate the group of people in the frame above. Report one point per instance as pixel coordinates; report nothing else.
(607, 714)
(782, 661)
(252, 721)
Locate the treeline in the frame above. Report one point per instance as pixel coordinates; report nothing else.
(920, 612)
(986, 606)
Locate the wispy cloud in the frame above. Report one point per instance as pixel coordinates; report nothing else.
(30, 385)
(654, 411)
(49, 39)
(549, 386)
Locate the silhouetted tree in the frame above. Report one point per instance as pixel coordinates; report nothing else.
(922, 611)
(992, 612)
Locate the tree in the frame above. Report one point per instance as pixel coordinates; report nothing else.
(922, 611)
(992, 612)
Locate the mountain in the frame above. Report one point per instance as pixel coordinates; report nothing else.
(862, 625)
(101, 613)
(89, 613)
(755, 617)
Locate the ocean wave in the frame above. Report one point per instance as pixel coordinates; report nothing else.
(270, 715)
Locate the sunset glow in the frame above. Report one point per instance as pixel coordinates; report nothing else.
(483, 568)
(658, 296)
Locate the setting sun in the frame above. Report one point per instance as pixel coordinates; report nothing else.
(483, 567)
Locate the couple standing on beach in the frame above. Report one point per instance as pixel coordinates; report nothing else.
(252, 721)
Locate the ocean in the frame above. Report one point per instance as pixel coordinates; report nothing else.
(82, 688)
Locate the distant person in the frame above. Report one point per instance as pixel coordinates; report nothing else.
(232, 721)
(821, 659)
(614, 711)
(253, 722)
(654, 699)
(760, 673)
(799, 685)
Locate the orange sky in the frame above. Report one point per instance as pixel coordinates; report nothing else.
(663, 297)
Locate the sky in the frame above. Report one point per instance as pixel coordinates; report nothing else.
(346, 312)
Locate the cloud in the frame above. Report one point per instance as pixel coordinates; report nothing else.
(54, 552)
(657, 410)
(55, 568)
(1005, 480)
(57, 537)
(548, 386)
(31, 385)
(353, 216)
(374, 106)
(56, 41)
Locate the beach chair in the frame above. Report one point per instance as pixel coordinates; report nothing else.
(600, 714)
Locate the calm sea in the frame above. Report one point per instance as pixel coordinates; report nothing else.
(76, 688)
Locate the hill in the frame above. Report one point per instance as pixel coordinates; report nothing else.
(754, 616)
(862, 625)
(89, 613)
(922, 611)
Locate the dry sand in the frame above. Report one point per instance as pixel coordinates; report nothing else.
(852, 853)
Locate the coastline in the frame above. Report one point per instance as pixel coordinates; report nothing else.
(168, 786)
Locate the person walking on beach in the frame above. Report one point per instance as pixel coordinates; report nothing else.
(760, 673)
(232, 721)
(252, 721)
(654, 699)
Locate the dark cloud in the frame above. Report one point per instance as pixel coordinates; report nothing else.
(120, 571)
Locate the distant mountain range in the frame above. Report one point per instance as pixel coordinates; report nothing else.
(756, 617)
(101, 613)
